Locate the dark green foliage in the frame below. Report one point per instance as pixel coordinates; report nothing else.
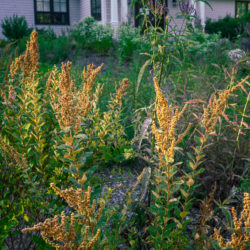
(129, 40)
(229, 27)
(15, 27)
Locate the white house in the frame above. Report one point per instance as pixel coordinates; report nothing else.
(61, 14)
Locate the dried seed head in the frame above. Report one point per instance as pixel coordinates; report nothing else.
(28, 62)
(165, 136)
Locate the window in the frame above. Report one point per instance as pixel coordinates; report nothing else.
(54, 12)
(96, 9)
(241, 7)
(174, 3)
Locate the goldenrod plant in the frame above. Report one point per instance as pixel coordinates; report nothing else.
(240, 237)
(76, 231)
(26, 133)
(173, 186)
(57, 135)
(48, 126)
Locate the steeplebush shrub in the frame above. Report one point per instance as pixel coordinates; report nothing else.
(15, 27)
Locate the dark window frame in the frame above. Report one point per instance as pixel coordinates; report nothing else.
(52, 14)
(246, 2)
(94, 10)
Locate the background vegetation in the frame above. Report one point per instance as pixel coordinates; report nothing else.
(171, 108)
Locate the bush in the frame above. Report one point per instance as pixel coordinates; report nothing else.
(229, 27)
(128, 40)
(88, 34)
(15, 28)
(47, 33)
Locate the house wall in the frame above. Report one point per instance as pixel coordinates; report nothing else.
(177, 20)
(26, 8)
(121, 10)
(221, 8)
(85, 9)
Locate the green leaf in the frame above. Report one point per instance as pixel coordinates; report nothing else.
(183, 214)
(81, 136)
(26, 218)
(27, 126)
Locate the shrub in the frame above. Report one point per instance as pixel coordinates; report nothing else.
(128, 40)
(88, 34)
(101, 38)
(15, 27)
(82, 31)
(228, 26)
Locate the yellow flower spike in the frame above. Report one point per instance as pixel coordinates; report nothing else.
(167, 119)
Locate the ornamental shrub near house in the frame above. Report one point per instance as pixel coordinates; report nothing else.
(15, 27)
(228, 26)
(88, 34)
(129, 40)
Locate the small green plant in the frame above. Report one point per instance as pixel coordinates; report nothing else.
(15, 27)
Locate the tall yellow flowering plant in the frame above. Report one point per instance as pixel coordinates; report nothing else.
(172, 184)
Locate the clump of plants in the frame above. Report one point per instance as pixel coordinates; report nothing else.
(229, 27)
(55, 140)
(129, 40)
(15, 27)
(50, 131)
(90, 35)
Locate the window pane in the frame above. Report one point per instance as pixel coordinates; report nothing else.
(43, 18)
(43, 5)
(60, 18)
(96, 9)
(241, 9)
(56, 6)
(39, 6)
(60, 6)
(63, 7)
(46, 6)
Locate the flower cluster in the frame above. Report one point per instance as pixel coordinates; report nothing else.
(62, 233)
(69, 104)
(241, 235)
(28, 62)
(167, 118)
(216, 107)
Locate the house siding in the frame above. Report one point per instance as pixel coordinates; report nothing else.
(26, 8)
(85, 9)
(177, 21)
(80, 9)
(220, 9)
(20, 7)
